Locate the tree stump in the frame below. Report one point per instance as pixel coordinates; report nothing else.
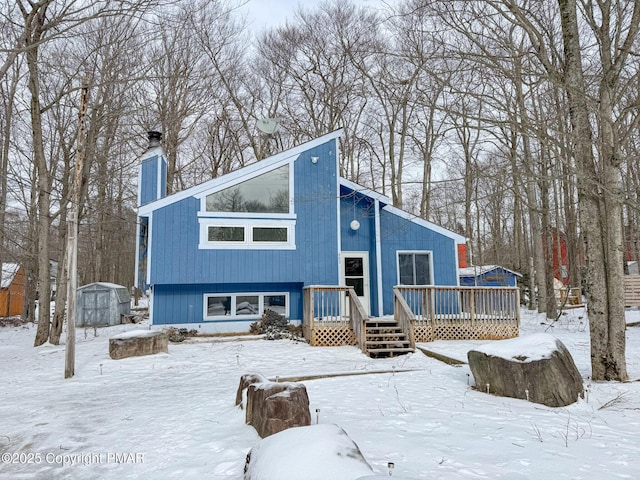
(137, 343)
(538, 368)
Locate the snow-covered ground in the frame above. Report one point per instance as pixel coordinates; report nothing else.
(173, 416)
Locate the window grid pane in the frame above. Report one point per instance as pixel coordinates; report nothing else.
(218, 305)
(405, 266)
(270, 234)
(414, 268)
(247, 305)
(226, 234)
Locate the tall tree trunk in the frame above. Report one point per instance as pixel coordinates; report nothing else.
(600, 219)
(34, 22)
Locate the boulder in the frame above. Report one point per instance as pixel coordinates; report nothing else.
(245, 381)
(537, 367)
(273, 407)
(316, 452)
(136, 343)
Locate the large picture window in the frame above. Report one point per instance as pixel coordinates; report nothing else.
(267, 193)
(242, 306)
(414, 268)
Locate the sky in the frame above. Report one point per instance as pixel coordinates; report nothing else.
(173, 415)
(270, 13)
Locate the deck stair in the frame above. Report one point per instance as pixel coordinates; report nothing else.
(384, 338)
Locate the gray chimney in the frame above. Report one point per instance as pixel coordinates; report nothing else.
(154, 139)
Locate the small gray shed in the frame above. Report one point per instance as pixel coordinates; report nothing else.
(101, 304)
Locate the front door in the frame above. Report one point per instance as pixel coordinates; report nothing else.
(354, 272)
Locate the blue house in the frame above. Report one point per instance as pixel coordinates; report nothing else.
(488, 276)
(215, 256)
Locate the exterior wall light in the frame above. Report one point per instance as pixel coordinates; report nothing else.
(314, 159)
(355, 225)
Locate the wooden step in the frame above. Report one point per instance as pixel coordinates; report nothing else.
(370, 324)
(386, 335)
(389, 352)
(383, 338)
(383, 329)
(388, 342)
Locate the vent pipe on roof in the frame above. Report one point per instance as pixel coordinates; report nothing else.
(154, 139)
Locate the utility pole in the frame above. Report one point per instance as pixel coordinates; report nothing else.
(72, 239)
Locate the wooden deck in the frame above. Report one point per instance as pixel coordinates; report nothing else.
(459, 313)
(333, 316)
(632, 291)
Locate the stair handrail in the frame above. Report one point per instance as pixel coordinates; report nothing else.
(404, 316)
(359, 318)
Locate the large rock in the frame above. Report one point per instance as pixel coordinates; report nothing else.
(316, 452)
(136, 343)
(538, 366)
(273, 407)
(245, 381)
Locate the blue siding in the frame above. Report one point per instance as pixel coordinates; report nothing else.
(149, 179)
(182, 274)
(354, 206)
(401, 234)
(397, 234)
(177, 261)
(185, 303)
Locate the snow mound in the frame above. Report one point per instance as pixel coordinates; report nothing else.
(135, 334)
(316, 452)
(523, 349)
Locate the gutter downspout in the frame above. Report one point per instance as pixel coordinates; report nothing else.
(378, 257)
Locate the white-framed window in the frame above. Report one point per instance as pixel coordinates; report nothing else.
(415, 267)
(257, 234)
(241, 306)
(256, 214)
(268, 195)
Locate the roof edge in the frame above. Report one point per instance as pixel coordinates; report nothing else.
(241, 174)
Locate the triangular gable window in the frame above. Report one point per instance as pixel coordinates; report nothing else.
(266, 193)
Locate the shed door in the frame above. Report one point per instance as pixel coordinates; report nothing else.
(354, 272)
(95, 307)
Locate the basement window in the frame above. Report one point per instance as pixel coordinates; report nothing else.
(244, 306)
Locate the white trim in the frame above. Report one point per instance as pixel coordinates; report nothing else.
(247, 215)
(421, 252)
(364, 191)
(248, 242)
(140, 184)
(401, 213)
(457, 257)
(364, 255)
(151, 302)
(292, 197)
(458, 239)
(339, 217)
(242, 174)
(376, 227)
(149, 245)
(159, 184)
(220, 326)
(233, 305)
(136, 274)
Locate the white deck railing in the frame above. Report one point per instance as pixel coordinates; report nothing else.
(335, 307)
(436, 305)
